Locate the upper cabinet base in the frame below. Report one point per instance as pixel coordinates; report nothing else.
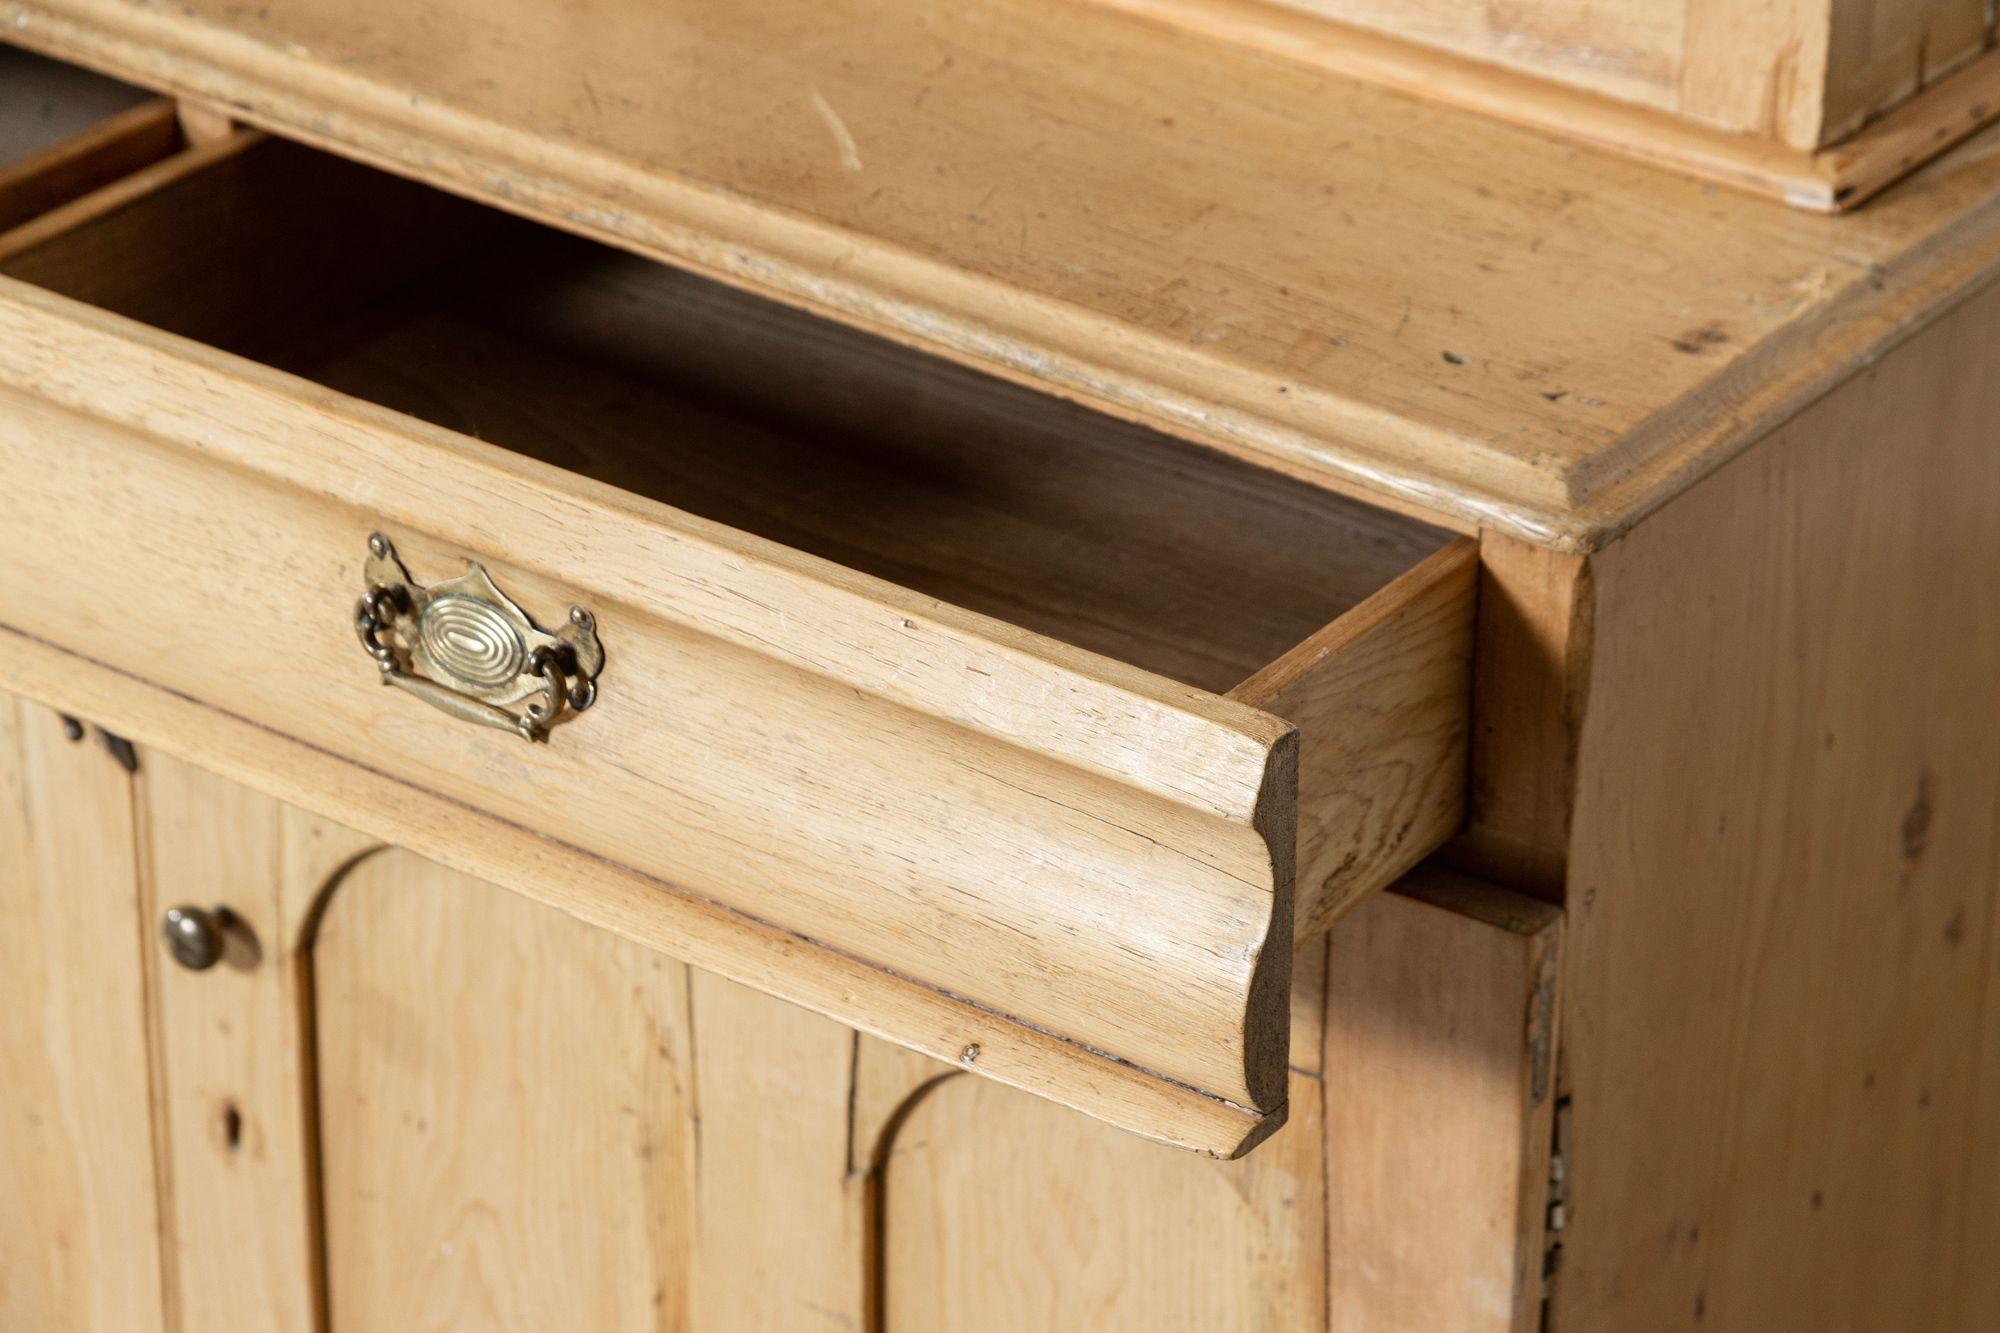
(1821, 108)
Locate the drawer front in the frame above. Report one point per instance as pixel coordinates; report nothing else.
(1089, 864)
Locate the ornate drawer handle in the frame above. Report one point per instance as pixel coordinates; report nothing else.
(465, 647)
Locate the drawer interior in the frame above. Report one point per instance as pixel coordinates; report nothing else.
(65, 132)
(45, 103)
(993, 497)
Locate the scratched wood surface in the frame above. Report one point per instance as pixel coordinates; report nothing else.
(1173, 558)
(1781, 986)
(1384, 295)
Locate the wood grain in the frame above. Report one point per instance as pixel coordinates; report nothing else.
(1533, 650)
(1001, 1213)
(1288, 276)
(532, 1172)
(965, 488)
(629, 904)
(1441, 1037)
(233, 1096)
(1823, 171)
(801, 684)
(79, 1203)
(1205, 836)
(1802, 73)
(782, 1231)
(1882, 52)
(1380, 699)
(1628, 49)
(1779, 984)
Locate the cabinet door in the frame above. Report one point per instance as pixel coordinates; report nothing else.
(79, 1212)
(406, 1098)
(409, 1099)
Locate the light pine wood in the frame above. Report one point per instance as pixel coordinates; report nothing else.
(1799, 72)
(527, 1173)
(1174, 797)
(945, 481)
(1838, 171)
(234, 1099)
(1444, 312)
(782, 1221)
(79, 1205)
(203, 123)
(710, 1148)
(1881, 52)
(1441, 1039)
(633, 1143)
(1629, 49)
(620, 900)
(1380, 701)
(1001, 1212)
(857, 659)
(525, 1121)
(1780, 978)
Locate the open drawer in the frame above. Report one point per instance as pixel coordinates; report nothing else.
(966, 716)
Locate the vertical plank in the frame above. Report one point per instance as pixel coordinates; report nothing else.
(1884, 51)
(1003, 1212)
(780, 1241)
(1783, 880)
(232, 1082)
(1757, 66)
(1440, 1042)
(505, 1127)
(79, 1213)
(1533, 645)
(1976, 1278)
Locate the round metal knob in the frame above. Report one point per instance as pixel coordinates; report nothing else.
(193, 936)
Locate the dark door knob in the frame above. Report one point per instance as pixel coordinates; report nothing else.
(193, 936)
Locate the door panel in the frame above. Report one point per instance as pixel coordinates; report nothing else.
(1002, 1212)
(233, 1114)
(79, 1213)
(504, 1111)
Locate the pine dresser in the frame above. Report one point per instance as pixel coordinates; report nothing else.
(999, 665)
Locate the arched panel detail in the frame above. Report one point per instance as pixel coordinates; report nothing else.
(1002, 1211)
(311, 887)
(505, 1109)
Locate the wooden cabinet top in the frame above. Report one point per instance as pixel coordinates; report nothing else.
(1402, 300)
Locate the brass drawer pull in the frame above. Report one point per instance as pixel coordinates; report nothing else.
(465, 647)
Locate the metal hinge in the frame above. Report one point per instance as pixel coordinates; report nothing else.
(1557, 1217)
(122, 751)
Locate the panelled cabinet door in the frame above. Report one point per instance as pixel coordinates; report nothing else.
(408, 1099)
(506, 1137)
(403, 1098)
